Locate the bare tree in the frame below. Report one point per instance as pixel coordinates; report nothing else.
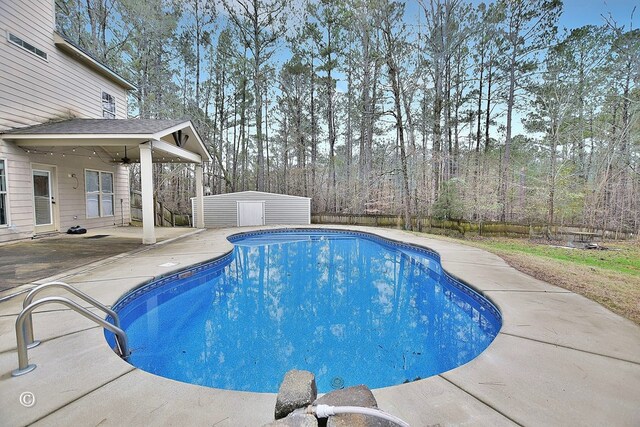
(528, 27)
(257, 22)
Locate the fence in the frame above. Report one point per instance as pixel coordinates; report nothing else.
(469, 228)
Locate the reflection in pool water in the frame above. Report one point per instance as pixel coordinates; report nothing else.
(345, 306)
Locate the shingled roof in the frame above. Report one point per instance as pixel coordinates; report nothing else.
(98, 127)
(75, 51)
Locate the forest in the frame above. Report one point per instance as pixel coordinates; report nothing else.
(445, 109)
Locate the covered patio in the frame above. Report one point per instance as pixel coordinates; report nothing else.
(25, 263)
(125, 142)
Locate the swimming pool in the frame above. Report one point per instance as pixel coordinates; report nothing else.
(351, 307)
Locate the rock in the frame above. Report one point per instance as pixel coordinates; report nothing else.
(295, 420)
(359, 395)
(351, 396)
(358, 420)
(298, 390)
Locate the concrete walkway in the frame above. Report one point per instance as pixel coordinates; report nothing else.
(559, 359)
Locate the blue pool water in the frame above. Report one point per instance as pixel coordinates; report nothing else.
(350, 307)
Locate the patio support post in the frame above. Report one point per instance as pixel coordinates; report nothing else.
(146, 183)
(199, 197)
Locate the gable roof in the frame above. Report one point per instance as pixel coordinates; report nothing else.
(81, 55)
(109, 133)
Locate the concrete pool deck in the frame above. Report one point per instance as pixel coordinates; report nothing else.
(559, 359)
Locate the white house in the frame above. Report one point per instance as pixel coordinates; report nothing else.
(65, 140)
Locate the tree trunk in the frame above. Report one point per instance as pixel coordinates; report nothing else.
(395, 86)
(506, 161)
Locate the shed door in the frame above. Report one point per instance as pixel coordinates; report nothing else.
(250, 213)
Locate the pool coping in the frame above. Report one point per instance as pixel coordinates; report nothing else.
(559, 358)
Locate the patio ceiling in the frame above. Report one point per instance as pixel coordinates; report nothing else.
(171, 140)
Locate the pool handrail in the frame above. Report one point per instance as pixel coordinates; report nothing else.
(28, 324)
(23, 357)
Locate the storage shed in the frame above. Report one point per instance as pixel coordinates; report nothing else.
(247, 208)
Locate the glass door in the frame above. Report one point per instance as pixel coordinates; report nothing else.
(43, 201)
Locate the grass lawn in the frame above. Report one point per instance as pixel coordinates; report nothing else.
(609, 277)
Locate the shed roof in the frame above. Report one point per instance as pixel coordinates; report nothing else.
(240, 193)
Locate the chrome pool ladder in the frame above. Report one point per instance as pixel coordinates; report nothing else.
(24, 323)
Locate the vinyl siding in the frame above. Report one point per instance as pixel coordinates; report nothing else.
(20, 193)
(33, 90)
(220, 210)
(70, 201)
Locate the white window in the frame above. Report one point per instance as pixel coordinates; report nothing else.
(4, 211)
(99, 189)
(108, 106)
(26, 46)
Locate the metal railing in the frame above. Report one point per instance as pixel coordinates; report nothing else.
(22, 332)
(28, 323)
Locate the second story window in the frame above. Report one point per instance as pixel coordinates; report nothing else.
(26, 46)
(108, 106)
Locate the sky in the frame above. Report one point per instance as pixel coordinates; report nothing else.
(577, 13)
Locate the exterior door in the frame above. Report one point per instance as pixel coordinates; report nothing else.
(250, 213)
(44, 199)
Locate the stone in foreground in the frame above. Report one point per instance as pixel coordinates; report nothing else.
(352, 396)
(358, 420)
(295, 420)
(359, 395)
(298, 390)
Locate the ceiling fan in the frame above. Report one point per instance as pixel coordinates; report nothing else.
(123, 160)
(180, 138)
